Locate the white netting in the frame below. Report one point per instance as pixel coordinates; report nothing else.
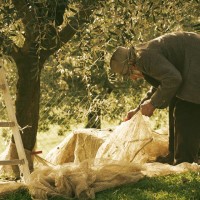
(127, 142)
(91, 160)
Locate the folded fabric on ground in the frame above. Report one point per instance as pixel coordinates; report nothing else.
(90, 160)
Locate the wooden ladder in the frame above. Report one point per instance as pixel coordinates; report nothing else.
(22, 162)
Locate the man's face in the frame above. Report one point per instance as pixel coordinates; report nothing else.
(136, 75)
(132, 73)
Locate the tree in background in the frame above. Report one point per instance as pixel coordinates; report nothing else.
(30, 34)
(114, 23)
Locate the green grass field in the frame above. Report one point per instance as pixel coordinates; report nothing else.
(45, 140)
(184, 186)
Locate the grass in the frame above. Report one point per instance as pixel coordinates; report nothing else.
(180, 187)
(184, 186)
(19, 195)
(45, 140)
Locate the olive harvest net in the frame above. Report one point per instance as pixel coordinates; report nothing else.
(91, 160)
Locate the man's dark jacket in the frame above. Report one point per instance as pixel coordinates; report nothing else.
(173, 60)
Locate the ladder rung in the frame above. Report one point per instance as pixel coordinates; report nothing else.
(16, 132)
(12, 162)
(7, 124)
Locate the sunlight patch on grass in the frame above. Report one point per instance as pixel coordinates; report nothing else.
(49, 139)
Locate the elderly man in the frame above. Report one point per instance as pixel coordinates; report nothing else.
(171, 64)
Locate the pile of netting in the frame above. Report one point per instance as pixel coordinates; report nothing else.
(90, 160)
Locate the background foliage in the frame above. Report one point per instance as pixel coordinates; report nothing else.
(84, 70)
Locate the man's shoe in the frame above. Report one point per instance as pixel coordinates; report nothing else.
(169, 159)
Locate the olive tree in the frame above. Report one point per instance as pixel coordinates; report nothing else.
(32, 31)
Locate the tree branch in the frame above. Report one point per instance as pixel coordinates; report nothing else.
(8, 46)
(74, 25)
(71, 28)
(23, 11)
(26, 15)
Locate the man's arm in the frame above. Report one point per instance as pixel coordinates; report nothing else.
(158, 67)
(147, 97)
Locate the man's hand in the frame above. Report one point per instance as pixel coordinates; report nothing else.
(147, 108)
(131, 113)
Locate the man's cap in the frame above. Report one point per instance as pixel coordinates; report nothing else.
(121, 60)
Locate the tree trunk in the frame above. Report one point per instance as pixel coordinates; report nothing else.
(30, 59)
(94, 119)
(27, 100)
(27, 111)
